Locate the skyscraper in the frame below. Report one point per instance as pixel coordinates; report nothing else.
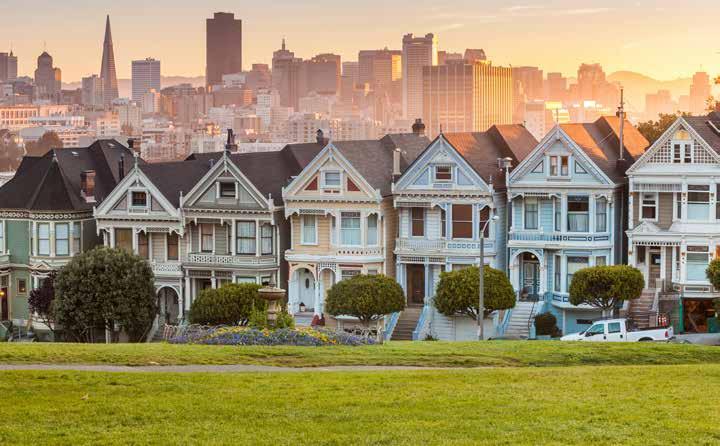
(145, 77)
(379, 68)
(8, 67)
(107, 69)
(418, 52)
(48, 79)
(700, 91)
(223, 47)
(92, 92)
(286, 76)
(321, 74)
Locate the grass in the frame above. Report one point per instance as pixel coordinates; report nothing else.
(436, 354)
(630, 405)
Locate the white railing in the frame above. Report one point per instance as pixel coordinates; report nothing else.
(532, 236)
(219, 259)
(166, 267)
(403, 244)
(358, 251)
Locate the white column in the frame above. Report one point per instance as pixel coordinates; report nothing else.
(663, 272)
(213, 280)
(631, 198)
(257, 238)
(684, 204)
(683, 262)
(427, 282)
(563, 213)
(316, 304)
(338, 223)
(188, 292)
(134, 240)
(112, 237)
(363, 228)
(591, 213)
(52, 239)
(233, 237)
(33, 248)
(673, 274)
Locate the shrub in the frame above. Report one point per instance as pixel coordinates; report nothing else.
(40, 301)
(104, 288)
(604, 287)
(545, 324)
(365, 297)
(258, 319)
(285, 336)
(284, 320)
(457, 292)
(231, 304)
(713, 273)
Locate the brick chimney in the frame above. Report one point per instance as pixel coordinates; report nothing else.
(87, 185)
(418, 128)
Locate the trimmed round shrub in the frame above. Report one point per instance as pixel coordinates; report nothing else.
(545, 324)
(231, 304)
(458, 292)
(365, 297)
(605, 287)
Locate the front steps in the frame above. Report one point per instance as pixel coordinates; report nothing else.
(406, 324)
(520, 320)
(640, 309)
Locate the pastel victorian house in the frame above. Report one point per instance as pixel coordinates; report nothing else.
(341, 213)
(451, 197)
(568, 212)
(46, 215)
(674, 220)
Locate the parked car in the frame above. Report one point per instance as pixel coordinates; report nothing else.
(618, 330)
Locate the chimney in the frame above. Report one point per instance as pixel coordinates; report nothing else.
(230, 146)
(396, 162)
(87, 185)
(121, 167)
(418, 128)
(320, 137)
(134, 145)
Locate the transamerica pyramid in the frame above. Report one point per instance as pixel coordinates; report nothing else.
(107, 71)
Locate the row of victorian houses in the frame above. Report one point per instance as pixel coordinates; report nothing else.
(313, 214)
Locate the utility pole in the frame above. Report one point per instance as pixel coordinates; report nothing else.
(621, 115)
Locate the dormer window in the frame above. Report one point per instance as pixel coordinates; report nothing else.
(227, 190)
(559, 166)
(443, 174)
(331, 179)
(138, 199)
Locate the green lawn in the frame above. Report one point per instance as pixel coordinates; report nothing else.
(437, 354)
(595, 405)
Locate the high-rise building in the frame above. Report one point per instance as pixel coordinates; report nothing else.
(445, 57)
(48, 79)
(556, 87)
(379, 68)
(531, 80)
(592, 85)
(321, 74)
(700, 91)
(92, 92)
(659, 103)
(351, 69)
(286, 76)
(145, 77)
(107, 68)
(223, 47)
(474, 54)
(418, 52)
(259, 77)
(466, 97)
(8, 67)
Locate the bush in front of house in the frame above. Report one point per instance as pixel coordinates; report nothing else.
(713, 273)
(305, 336)
(458, 292)
(105, 289)
(366, 297)
(231, 304)
(605, 287)
(546, 325)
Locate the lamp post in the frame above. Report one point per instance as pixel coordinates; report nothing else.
(481, 306)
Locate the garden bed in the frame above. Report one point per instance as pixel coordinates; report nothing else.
(309, 337)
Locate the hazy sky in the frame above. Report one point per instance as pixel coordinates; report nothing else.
(662, 38)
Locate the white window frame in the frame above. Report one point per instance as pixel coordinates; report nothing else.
(369, 230)
(537, 214)
(219, 189)
(49, 240)
(324, 183)
(709, 207)
(133, 207)
(359, 228)
(302, 230)
(67, 239)
(643, 205)
(598, 201)
(435, 174)
(558, 166)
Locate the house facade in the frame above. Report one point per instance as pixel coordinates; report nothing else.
(674, 219)
(450, 199)
(568, 212)
(46, 215)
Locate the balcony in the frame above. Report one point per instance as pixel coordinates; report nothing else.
(571, 238)
(228, 260)
(166, 268)
(466, 247)
(357, 251)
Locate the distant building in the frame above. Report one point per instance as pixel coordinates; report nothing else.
(145, 77)
(8, 67)
(48, 79)
(418, 52)
(659, 103)
(107, 69)
(556, 87)
(92, 92)
(351, 69)
(286, 70)
(592, 85)
(223, 47)
(379, 68)
(700, 91)
(321, 74)
(531, 79)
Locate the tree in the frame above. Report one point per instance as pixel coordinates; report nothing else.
(11, 152)
(41, 301)
(49, 140)
(105, 288)
(713, 273)
(231, 304)
(605, 287)
(366, 297)
(652, 130)
(458, 292)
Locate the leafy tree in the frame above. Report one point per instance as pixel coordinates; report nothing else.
(713, 273)
(103, 289)
(49, 140)
(231, 304)
(11, 152)
(458, 292)
(604, 287)
(652, 130)
(41, 301)
(366, 297)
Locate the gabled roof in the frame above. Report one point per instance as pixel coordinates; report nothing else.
(600, 140)
(707, 127)
(52, 182)
(175, 177)
(482, 149)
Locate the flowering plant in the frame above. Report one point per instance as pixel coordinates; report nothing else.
(303, 336)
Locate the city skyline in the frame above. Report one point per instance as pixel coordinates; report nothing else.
(645, 44)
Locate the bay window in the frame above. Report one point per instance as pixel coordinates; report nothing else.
(172, 247)
(698, 206)
(266, 239)
(308, 230)
(558, 214)
(143, 245)
(601, 215)
(648, 206)
(348, 274)
(558, 273)
(43, 239)
(697, 262)
(372, 229)
(575, 264)
(462, 221)
(417, 222)
(206, 237)
(246, 237)
(76, 240)
(531, 213)
(62, 239)
(350, 229)
(578, 214)
(600, 261)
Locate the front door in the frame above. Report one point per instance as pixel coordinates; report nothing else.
(654, 273)
(306, 288)
(4, 309)
(531, 276)
(416, 284)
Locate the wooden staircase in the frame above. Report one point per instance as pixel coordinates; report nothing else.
(406, 324)
(640, 310)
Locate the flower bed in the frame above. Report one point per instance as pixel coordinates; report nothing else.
(250, 336)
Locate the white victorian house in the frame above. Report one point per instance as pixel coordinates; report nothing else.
(447, 201)
(568, 206)
(674, 219)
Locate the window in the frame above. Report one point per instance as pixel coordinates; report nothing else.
(698, 206)
(246, 237)
(62, 239)
(2, 235)
(123, 239)
(43, 239)
(579, 168)
(558, 214)
(578, 214)
(22, 286)
(417, 222)
(206, 238)
(540, 168)
(558, 273)
(308, 230)
(443, 173)
(575, 264)
(485, 221)
(531, 213)
(601, 215)
(350, 229)
(682, 152)
(76, 238)
(697, 263)
(227, 190)
(462, 225)
(372, 272)
(349, 273)
(559, 166)
(688, 155)
(266, 239)
(138, 199)
(333, 231)
(372, 229)
(600, 261)
(331, 179)
(143, 245)
(596, 329)
(172, 247)
(614, 327)
(677, 153)
(648, 206)
(677, 202)
(443, 223)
